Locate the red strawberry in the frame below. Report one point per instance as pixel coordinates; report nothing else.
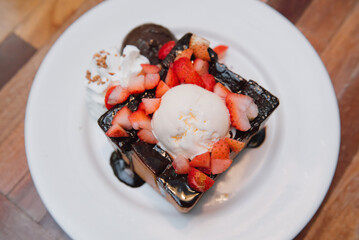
(187, 53)
(117, 95)
(220, 150)
(141, 106)
(166, 49)
(139, 120)
(202, 160)
(136, 84)
(148, 68)
(200, 47)
(171, 78)
(221, 90)
(198, 180)
(241, 109)
(234, 145)
(116, 131)
(182, 68)
(151, 80)
(205, 170)
(208, 81)
(194, 78)
(220, 165)
(121, 118)
(109, 91)
(161, 89)
(151, 104)
(200, 66)
(221, 51)
(181, 165)
(147, 136)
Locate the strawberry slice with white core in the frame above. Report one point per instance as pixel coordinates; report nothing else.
(199, 181)
(139, 119)
(221, 90)
(181, 164)
(151, 104)
(220, 165)
(147, 136)
(118, 95)
(136, 84)
(151, 80)
(116, 131)
(121, 118)
(241, 109)
(148, 68)
(200, 66)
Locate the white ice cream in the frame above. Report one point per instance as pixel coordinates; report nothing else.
(189, 120)
(107, 68)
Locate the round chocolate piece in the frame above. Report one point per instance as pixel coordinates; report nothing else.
(149, 38)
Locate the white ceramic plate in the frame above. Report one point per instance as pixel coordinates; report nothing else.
(269, 193)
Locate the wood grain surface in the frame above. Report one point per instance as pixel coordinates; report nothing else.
(29, 28)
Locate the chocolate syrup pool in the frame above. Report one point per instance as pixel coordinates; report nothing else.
(124, 172)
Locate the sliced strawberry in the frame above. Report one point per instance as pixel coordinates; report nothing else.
(166, 49)
(161, 89)
(221, 51)
(208, 81)
(194, 78)
(148, 68)
(181, 164)
(220, 165)
(205, 170)
(147, 136)
(202, 160)
(200, 47)
(221, 90)
(116, 131)
(171, 78)
(151, 80)
(139, 119)
(198, 180)
(117, 95)
(109, 91)
(121, 118)
(151, 104)
(200, 66)
(241, 109)
(136, 84)
(220, 150)
(187, 53)
(182, 68)
(141, 106)
(234, 145)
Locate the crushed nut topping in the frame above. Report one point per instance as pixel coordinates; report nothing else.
(101, 58)
(96, 78)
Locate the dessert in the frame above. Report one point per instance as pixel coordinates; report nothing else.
(180, 123)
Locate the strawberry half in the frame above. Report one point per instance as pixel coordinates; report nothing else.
(187, 53)
(220, 150)
(241, 109)
(220, 165)
(221, 51)
(182, 68)
(221, 90)
(201, 66)
(234, 145)
(116, 131)
(181, 165)
(200, 47)
(166, 49)
(147, 136)
(117, 95)
(151, 104)
(148, 68)
(161, 89)
(151, 80)
(109, 91)
(121, 118)
(136, 84)
(139, 119)
(202, 160)
(208, 81)
(199, 181)
(171, 78)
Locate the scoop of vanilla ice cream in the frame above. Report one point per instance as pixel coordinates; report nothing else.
(108, 67)
(189, 120)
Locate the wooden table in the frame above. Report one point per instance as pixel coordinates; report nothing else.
(28, 28)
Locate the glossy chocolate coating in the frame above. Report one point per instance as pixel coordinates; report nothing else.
(149, 38)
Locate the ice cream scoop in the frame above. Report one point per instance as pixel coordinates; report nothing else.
(189, 120)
